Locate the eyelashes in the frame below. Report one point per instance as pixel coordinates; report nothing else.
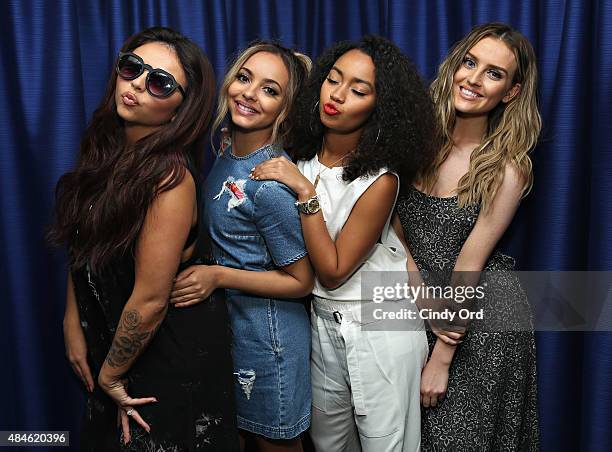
(270, 91)
(244, 78)
(331, 81)
(494, 74)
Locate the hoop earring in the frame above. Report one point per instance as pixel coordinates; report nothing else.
(311, 115)
(377, 136)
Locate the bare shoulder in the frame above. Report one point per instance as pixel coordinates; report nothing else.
(387, 182)
(380, 194)
(177, 202)
(513, 178)
(186, 186)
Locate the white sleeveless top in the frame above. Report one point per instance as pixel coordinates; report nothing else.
(337, 199)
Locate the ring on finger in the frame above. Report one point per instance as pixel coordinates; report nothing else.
(130, 411)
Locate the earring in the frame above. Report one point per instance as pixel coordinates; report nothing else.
(311, 115)
(315, 106)
(377, 136)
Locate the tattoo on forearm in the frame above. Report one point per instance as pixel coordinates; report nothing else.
(129, 339)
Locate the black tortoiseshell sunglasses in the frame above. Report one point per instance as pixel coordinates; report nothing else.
(159, 83)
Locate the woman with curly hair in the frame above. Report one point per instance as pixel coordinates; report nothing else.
(478, 393)
(258, 244)
(363, 121)
(157, 379)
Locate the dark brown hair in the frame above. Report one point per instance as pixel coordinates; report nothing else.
(101, 204)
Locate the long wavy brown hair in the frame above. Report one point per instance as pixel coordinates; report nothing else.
(101, 204)
(512, 128)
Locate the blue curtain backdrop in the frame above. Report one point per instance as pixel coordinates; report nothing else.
(56, 56)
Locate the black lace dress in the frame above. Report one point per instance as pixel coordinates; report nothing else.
(491, 401)
(187, 366)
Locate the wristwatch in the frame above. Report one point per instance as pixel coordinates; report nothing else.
(310, 206)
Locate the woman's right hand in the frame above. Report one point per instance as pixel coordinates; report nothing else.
(76, 351)
(194, 284)
(448, 337)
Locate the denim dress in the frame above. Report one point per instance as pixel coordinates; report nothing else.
(254, 225)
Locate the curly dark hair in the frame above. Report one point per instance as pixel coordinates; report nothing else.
(400, 134)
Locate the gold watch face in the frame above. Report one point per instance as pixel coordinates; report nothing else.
(313, 206)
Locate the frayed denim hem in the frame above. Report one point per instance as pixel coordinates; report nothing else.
(275, 432)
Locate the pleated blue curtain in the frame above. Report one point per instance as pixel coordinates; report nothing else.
(55, 58)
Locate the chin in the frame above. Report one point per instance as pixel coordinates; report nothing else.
(329, 123)
(243, 123)
(121, 112)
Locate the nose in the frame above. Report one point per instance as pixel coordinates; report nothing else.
(249, 92)
(139, 83)
(474, 78)
(338, 94)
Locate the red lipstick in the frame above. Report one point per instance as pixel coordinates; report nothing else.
(330, 110)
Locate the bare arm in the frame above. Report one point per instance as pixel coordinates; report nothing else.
(293, 281)
(74, 339)
(157, 256)
(415, 279)
(485, 235)
(197, 282)
(277, 222)
(335, 261)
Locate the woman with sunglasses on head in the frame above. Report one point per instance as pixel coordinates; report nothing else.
(257, 240)
(157, 379)
(478, 389)
(363, 121)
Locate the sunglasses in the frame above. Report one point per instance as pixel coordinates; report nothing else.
(159, 83)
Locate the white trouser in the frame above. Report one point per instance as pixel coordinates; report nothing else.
(365, 384)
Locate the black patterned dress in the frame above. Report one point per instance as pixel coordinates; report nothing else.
(187, 366)
(491, 401)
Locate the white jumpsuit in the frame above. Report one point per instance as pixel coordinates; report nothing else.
(365, 381)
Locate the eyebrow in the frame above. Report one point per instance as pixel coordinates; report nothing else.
(355, 79)
(266, 80)
(505, 71)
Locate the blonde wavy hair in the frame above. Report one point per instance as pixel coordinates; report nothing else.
(298, 65)
(512, 129)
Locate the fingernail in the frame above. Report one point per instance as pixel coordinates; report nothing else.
(252, 169)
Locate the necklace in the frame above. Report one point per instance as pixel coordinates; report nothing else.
(321, 171)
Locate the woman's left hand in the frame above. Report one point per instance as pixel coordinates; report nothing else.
(115, 388)
(284, 171)
(193, 285)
